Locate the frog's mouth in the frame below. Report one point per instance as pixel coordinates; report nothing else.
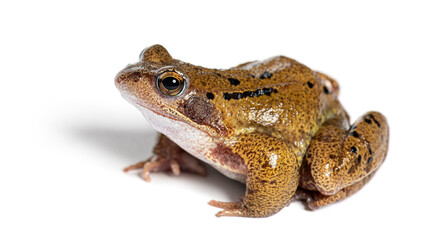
(142, 106)
(156, 115)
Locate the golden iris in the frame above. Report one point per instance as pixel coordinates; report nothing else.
(170, 83)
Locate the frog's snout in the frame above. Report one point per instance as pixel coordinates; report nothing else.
(124, 78)
(129, 76)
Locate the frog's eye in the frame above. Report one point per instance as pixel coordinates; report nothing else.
(170, 83)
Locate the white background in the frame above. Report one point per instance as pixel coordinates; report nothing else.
(66, 133)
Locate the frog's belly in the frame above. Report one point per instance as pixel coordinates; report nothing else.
(192, 140)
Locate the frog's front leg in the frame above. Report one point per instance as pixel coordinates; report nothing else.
(168, 156)
(272, 176)
(342, 159)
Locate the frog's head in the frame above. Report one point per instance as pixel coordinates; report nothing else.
(159, 86)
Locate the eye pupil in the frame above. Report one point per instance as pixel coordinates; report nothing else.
(170, 83)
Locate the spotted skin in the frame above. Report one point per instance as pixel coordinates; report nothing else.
(314, 199)
(340, 159)
(275, 125)
(272, 178)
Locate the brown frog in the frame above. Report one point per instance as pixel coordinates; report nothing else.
(274, 125)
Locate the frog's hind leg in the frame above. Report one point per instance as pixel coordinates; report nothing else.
(314, 199)
(341, 160)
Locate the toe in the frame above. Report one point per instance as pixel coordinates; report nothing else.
(174, 166)
(225, 205)
(135, 166)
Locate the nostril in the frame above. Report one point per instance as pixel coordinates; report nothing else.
(136, 76)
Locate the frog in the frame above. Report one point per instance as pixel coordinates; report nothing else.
(274, 125)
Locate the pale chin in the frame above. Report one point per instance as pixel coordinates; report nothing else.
(189, 138)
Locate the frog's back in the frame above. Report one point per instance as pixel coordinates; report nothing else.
(276, 71)
(279, 96)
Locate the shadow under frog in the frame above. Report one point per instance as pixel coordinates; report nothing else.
(130, 144)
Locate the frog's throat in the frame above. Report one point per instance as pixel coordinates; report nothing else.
(193, 140)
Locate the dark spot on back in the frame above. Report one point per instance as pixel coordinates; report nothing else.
(370, 151)
(309, 84)
(326, 91)
(250, 75)
(374, 120)
(268, 91)
(370, 160)
(210, 95)
(265, 74)
(248, 94)
(359, 159)
(367, 120)
(378, 124)
(354, 134)
(236, 95)
(218, 74)
(234, 81)
(354, 149)
(256, 93)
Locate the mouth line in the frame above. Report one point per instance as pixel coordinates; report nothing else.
(137, 103)
(142, 106)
